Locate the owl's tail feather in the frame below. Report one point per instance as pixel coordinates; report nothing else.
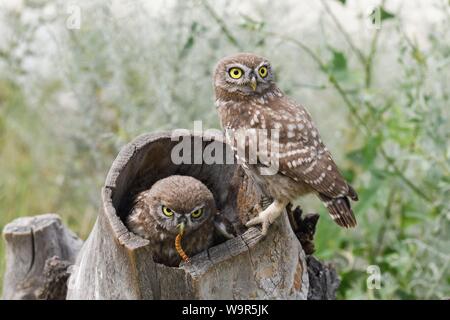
(340, 210)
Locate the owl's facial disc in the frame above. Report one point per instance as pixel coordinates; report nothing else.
(247, 79)
(190, 220)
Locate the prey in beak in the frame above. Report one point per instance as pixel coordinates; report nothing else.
(178, 246)
(180, 227)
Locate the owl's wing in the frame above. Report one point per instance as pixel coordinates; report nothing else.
(304, 158)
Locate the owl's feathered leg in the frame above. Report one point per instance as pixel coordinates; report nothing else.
(268, 215)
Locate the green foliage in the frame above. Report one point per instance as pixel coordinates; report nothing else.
(380, 99)
(382, 14)
(385, 15)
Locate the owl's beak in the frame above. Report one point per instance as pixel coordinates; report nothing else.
(181, 227)
(253, 83)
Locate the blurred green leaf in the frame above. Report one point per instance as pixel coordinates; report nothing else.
(385, 15)
(382, 13)
(190, 41)
(369, 195)
(339, 61)
(352, 277)
(419, 56)
(261, 42)
(399, 129)
(405, 295)
(349, 174)
(251, 24)
(187, 47)
(366, 155)
(337, 65)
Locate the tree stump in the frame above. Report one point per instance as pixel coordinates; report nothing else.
(116, 264)
(32, 243)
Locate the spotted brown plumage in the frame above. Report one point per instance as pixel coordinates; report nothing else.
(305, 164)
(158, 211)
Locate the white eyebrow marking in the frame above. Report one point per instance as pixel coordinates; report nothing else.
(264, 63)
(198, 207)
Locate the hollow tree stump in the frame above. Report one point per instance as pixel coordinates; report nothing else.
(117, 264)
(34, 245)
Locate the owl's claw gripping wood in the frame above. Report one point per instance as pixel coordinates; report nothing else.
(267, 216)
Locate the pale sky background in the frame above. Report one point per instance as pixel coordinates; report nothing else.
(416, 14)
(417, 17)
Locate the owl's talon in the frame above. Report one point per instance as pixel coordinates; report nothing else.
(267, 216)
(253, 222)
(265, 227)
(263, 221)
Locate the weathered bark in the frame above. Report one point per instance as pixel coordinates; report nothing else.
(304, 227)
(30, 242)
(116, 264)
(56, 273)
(323, 280)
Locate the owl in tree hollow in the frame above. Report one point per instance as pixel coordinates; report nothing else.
(248, 98)
(158, 213)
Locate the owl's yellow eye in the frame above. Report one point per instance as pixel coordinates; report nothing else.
(263, 72)
(167, 211)
(235, 73)
(197, 213)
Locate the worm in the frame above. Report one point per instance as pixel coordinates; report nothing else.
(179, 249)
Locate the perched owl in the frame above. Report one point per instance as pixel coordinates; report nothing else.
(172, 202)
(247, 97)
